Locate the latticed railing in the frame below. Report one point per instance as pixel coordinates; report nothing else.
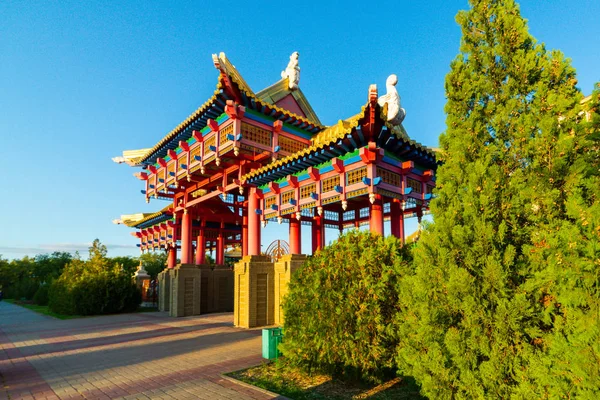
(416, 186)
(228, 130)
(355, 175)
(290, 145)
(306, 191)
(182, 160)
(389, 177)
(270, 201)
(212, 141)
(330, 183)
(195, 152)
(170, 168)
(256, 134)
(287, 196)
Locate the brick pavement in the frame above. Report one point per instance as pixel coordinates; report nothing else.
(128, 356)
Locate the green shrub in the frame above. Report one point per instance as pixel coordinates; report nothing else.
(95, 286)
(41, 296)
(60, 299)
(340, 306)
(106, 292)
(24, 289)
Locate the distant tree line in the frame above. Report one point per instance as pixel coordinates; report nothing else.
(71, 285)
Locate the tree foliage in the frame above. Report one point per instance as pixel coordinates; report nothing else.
(340, 306)
(22, 278)
(506, 279)
(154, 263)
(96, 286)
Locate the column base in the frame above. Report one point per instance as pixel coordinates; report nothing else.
(254, 292)
(216, 288)
(164, 290)
(185, 291)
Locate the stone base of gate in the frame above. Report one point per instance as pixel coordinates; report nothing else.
(164, 292)
(254, 292)
(216, 288)
(284, 269)
(185, 290)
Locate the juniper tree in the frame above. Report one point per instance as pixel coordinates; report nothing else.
(486, 314)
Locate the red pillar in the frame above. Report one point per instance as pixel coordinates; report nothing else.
(220, 256)
(186, 238)
(318, 234)
(172, 257)
(244, 232)
(397, 220)
(376, 217)
(295, 236)
(201, 248)
(313, 235)
(253, 224)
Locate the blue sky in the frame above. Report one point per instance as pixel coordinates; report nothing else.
(82, 81)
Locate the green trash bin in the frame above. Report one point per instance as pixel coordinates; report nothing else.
(271, 337)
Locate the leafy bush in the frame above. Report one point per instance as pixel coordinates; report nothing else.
(24, 289)
(94, 287)
(41, 296)
(340, 307)
(103, 293)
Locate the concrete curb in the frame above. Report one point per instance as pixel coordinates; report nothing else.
(249, 386)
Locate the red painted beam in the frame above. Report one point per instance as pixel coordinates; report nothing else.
(314, 173)
(213, 125)
(184, 145)
(198, 136)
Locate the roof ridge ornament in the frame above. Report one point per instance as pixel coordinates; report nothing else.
(395, 112)
(292, 72)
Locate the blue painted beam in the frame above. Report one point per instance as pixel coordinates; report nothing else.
(361, 136)
(352, 141)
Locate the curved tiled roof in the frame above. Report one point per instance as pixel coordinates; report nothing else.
(226, 68)
(335, 133)
(135, 220)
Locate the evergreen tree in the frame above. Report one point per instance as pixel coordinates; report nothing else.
(497, 274)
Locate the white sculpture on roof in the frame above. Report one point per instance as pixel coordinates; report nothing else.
(395, 113)
(292, 72)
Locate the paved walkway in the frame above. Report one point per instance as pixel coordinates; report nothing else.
(130, 356)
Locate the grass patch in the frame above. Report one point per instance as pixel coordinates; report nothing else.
(41, 309)
(284, 379)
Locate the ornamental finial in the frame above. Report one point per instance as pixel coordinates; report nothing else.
(292, 72)
(395, 112)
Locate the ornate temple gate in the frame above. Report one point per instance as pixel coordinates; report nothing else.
(243, 160)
